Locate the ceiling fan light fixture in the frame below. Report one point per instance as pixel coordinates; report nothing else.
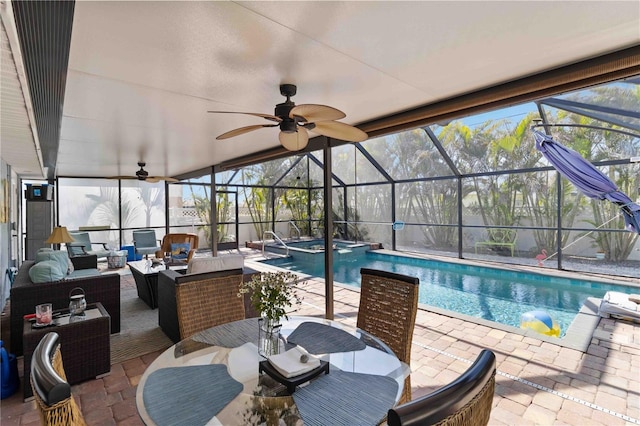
(294, 141)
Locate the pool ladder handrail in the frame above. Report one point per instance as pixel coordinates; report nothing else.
(292, 223)
(276, 238)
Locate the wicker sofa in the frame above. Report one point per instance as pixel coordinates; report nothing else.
(25, 294)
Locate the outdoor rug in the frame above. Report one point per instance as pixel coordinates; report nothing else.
(139, 330)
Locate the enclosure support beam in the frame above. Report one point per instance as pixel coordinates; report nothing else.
(559, 213)
(214, 213)
(328, 232)
(393, 216)
(460, 234)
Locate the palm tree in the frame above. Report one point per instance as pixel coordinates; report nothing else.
(152, 198)
(260, 196)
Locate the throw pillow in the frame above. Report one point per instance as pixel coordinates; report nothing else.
(58, 255)
(46, 271)
(70, 267)
(180, 250)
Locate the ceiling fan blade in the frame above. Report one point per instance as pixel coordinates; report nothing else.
(295, 141)
(256, 114)
(243, 130)
(122, 177)
(313, 113)
(154, 179)
(337, 130)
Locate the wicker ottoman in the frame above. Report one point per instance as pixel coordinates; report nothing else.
(117, 259)
(84, 343)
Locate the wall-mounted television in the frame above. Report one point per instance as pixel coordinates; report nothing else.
(39, 192)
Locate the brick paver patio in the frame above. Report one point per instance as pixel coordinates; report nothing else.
(538, 383)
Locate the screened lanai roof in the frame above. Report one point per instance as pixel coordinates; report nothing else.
(459, 147)
(143, 92)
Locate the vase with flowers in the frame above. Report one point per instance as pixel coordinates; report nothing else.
(272, 294)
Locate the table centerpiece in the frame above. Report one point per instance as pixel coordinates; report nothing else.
(271, 294)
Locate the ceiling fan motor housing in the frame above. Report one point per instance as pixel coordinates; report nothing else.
(142, 173)
(288, 124)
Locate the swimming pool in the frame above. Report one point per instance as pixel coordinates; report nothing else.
(482, 292)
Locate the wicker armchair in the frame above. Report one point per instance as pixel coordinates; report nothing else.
(168, 239)
(50, 388)
(388, 306)
(466, 401)
(194, 302)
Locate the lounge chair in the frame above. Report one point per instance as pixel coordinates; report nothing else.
(82, 246)
(621, 306)
(499, 239)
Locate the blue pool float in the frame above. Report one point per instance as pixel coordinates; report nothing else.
(540, 322)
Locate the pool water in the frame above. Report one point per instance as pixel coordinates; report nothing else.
(314, 245)
(489, 293)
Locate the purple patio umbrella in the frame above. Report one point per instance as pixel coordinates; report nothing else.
(587, 178)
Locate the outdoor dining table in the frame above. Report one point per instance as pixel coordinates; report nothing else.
(213, 378)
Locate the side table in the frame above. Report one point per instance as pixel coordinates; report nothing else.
(84, 344)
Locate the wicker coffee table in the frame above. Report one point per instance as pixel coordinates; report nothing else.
(84, 343)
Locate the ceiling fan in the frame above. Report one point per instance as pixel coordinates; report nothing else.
(295, 122)
(143, 175)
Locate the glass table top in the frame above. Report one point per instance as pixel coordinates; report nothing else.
(213, 378)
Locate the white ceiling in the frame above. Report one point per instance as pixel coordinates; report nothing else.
(142, 75)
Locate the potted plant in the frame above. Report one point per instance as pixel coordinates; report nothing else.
(271, 294)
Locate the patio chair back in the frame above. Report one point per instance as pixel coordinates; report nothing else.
(145, 242)
(82, 239)
(51, 390)
(466, 401)
(388, 306)
(207, 302)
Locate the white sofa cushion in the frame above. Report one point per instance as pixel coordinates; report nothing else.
(46, 271)
(211, 264)
(57, 255)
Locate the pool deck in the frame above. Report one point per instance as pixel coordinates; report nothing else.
(538, 381)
